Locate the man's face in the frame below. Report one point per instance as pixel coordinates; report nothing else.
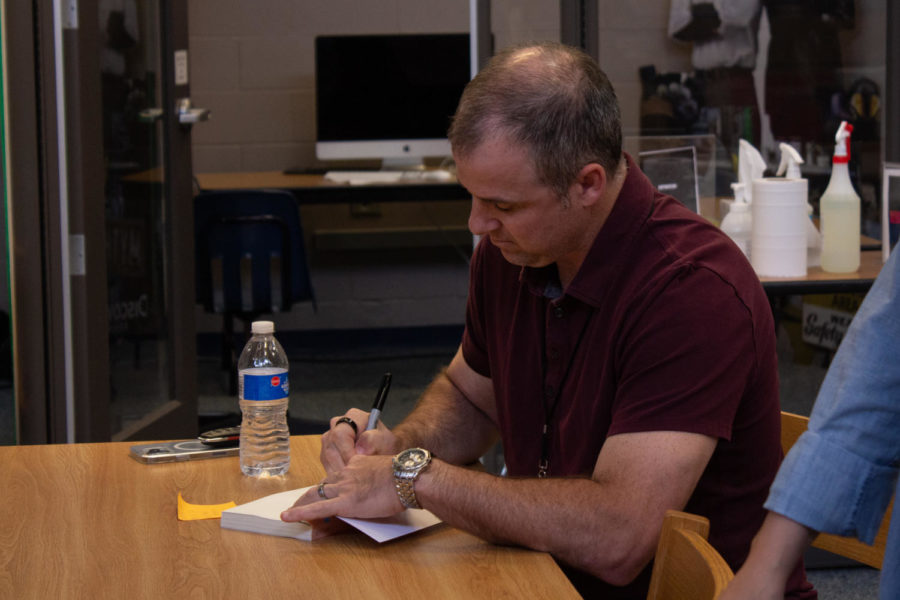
(525, 219)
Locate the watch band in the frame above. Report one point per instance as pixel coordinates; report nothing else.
(406, 489)
(407, 467)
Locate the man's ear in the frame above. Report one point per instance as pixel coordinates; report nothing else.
(590, 184)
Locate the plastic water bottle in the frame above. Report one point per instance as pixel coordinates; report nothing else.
(263, 390)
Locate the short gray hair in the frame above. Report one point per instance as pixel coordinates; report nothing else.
(553, 99)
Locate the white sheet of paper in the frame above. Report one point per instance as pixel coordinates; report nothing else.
(382, 530)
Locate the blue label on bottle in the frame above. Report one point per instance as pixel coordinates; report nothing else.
(266, 387)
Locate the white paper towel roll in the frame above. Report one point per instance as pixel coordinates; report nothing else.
(778, 242)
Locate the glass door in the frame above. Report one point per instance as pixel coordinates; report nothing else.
(148, 219)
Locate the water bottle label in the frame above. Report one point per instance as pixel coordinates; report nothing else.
(266, 387)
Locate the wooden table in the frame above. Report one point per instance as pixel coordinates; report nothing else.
(818, 281)
(315, 189)
(87, 521)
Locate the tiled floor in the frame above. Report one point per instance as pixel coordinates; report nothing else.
(850, 583)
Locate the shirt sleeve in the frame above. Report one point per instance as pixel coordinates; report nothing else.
(679, 16)
(841, 473)
(737, 13)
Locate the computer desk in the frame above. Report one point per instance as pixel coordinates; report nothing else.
(315, 189)
(818, 281)
(88, 521)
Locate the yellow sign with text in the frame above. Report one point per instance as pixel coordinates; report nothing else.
(826, 318)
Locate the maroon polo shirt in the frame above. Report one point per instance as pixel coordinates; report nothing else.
(665, 327)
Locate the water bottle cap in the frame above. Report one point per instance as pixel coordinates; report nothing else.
(262, 327)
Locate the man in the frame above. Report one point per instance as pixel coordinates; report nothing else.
(841, 474)
(620, 346)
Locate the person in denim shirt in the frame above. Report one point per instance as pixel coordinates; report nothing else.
(840, 475)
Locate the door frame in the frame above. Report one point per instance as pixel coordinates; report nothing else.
(33, 201)
(85, 322)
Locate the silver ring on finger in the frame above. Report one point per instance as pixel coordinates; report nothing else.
(321, 490)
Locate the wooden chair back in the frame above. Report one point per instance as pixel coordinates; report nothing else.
(686, 566)
(792, 427)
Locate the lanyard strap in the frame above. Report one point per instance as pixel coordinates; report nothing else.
(544, 463)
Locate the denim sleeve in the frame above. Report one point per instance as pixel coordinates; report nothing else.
(840, 475)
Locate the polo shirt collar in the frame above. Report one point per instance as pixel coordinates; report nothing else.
(610, 250)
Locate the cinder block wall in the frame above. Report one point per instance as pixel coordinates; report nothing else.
(252, 62)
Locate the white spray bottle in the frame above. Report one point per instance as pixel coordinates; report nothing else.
(790, 162)
(790, 168)
(738, 223)
(751, 165)
(839, 211)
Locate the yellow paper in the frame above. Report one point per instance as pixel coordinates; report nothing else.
(193, 512)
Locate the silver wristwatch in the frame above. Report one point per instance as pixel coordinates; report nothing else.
(407, 467)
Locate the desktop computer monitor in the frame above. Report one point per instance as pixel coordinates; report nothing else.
(388, 97)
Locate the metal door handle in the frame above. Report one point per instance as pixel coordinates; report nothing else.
(150, 115)
(187, 114)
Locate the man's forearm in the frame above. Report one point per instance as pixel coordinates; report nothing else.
(575, 519)
(447, 424)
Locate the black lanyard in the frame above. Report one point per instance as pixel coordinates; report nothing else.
(544, 463)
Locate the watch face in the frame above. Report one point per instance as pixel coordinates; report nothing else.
(411, 459)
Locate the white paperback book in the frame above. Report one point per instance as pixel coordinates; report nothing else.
(264, 516)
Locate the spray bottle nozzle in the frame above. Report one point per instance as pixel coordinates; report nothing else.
(842, 143)
(790, 162)
(843, 132)
(750, 166)
(739, 192)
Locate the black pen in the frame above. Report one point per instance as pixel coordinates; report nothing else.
(378, 405)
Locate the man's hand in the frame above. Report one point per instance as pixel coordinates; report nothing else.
(342, 442)
(364, 488)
